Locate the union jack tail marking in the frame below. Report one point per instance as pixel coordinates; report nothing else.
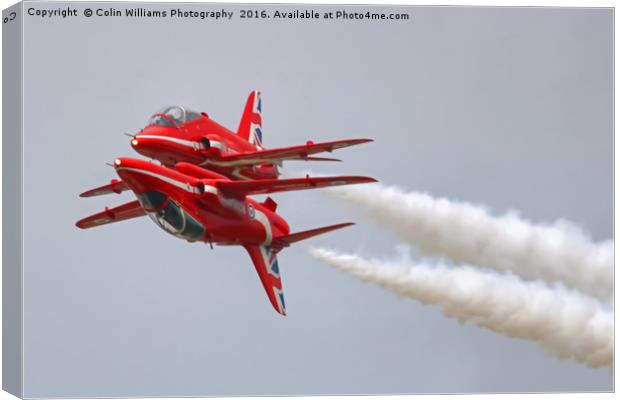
(266, 264)
(251, 125)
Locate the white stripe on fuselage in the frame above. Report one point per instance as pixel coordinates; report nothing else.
(264, 221)
(183, 142)
(183, 185)
(189, 143)
(215, 144)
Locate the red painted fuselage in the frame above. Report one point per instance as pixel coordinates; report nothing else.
(198, 142)
(193, 209)
(178, 134)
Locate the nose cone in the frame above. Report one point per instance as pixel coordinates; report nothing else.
(126, 162)
(151, 138)
(142, 175)
(166, 145)
(134, 172)
(148, 142)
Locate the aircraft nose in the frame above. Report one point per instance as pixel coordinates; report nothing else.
(138, 141)
(152, 142)
(123, 162)
(127, 162)
(147, 145)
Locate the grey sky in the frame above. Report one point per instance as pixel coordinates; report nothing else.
(511, 108)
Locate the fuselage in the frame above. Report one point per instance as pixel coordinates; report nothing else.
(197, 141)
(194, 210)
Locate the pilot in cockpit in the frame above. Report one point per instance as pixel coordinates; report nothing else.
(173, 116)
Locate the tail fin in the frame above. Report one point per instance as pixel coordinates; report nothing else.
(251, 125)
(287, 240)
(266, 264)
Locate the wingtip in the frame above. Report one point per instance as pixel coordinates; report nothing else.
(367, 179)
(357, 141)
(323, 159)
(342, 225)
(279, 309)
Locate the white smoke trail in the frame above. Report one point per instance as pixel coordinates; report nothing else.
(566, 322)
(468, 234)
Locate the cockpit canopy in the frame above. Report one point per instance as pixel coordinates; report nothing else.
(170, 216)
(173, 116)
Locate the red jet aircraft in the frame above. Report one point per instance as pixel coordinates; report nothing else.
(177, 134)
(196, 204)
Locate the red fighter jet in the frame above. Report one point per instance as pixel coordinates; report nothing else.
(178, 134)
(200, 205)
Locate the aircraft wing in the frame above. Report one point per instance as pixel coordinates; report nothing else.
(266, 264)
(264, 186)
(274, 156)
(109, 215)
(115, 186)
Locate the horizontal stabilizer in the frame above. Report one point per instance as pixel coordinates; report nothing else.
(109, 215)
(264, 186)
(284, 241)
(115, 186)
